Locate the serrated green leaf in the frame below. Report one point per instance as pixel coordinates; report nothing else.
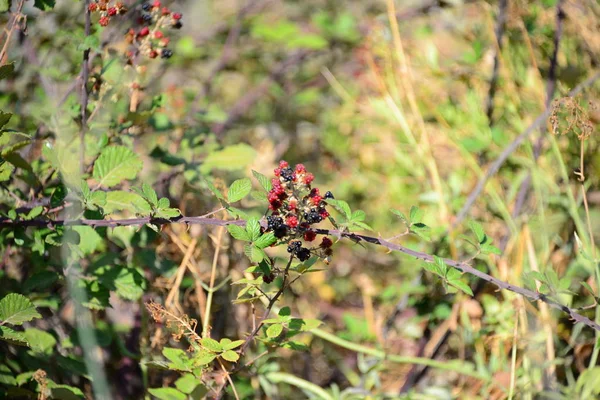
(400, 214)
(164, 203)
(265, 182)
(238, 233)
(488, 248)
(230, 356)
(167, 394)
(254, 253)
(13, 337)
(421, 230)
(416, 214)
(458, 284)
(477, 230)
(203, 357)
(358, 215)
(115, 164)
(341, 206)
(119, 200)
(178, 358)
(265, 240)
(211, 345)
(16, 309)
(253, 228)
(39, 340)
(361, 225)
(89, 239)
(274, 330)
(285, 312)
(150, 195)
(187, 383)
(304, 324)
(167, 213)
(232, 345)
(239, 189)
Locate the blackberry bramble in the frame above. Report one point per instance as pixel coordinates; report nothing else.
(295, 208)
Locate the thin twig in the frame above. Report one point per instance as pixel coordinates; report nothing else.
(459, 265)
(16, 16)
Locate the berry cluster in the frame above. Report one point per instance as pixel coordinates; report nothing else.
(295, 207)
(107, 10)
(150, 39)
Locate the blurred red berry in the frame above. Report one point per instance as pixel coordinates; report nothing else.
(292, 221)
(104, 21)
(158, 35)
(283, 164)
(176, 16)
(308, 178)
(277, 171)
(300, 168)
(165, 11)
(156, 4)
(309, 236)
(112, 11)
(326, 243)
(93, 7)
(153, 54)
(144, 31)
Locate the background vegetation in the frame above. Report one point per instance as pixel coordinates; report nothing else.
(432, 109)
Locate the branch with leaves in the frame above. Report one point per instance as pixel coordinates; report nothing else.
(434, 264)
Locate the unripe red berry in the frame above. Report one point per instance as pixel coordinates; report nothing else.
(104, 21)
(308, 178)
(323, 213)
(277, 171)
(144, 31)
(292, 221)
(165, 11)
(93, 7)
(316, 200)
(156, 4)
(165, 41)
(112, 11)
(153, 54)
(283, 164)
(158, 35)
(176, 16)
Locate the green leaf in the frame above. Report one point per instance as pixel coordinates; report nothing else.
(13, 337)
(230, 158)
(187, 383)
(40, 281)
(239, 233)
(40, 341)
(164, 203)
(213, 188)
(203, 357)
(254, 253)
(115, 164)
(265, 240)
(89, 239)
(65, 392)
(4, 118)
(358, 215)
(211, 345)
(341, 206)
(45, 5)
(285, 312)
(239, 189)
(488, 248)
(179, 359)
(16, 309)
(150, 195)
(232, 345)
(253, 228)
(230, 356)
(416, 214)
(263, 180)
(4, 7)
(477, 230)
(274, 330)
(167, 394)
(421, 230)
(119, 200)
(461, 286)
(6, 169)
(304, 325)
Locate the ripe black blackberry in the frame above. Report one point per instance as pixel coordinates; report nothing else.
(281, 231)
(147, 17)
(313, 217)
(287, 174)
(146, 6)
(303, 254)
(294, 247)
(328, 195)
(274, 222)
(166, 53)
